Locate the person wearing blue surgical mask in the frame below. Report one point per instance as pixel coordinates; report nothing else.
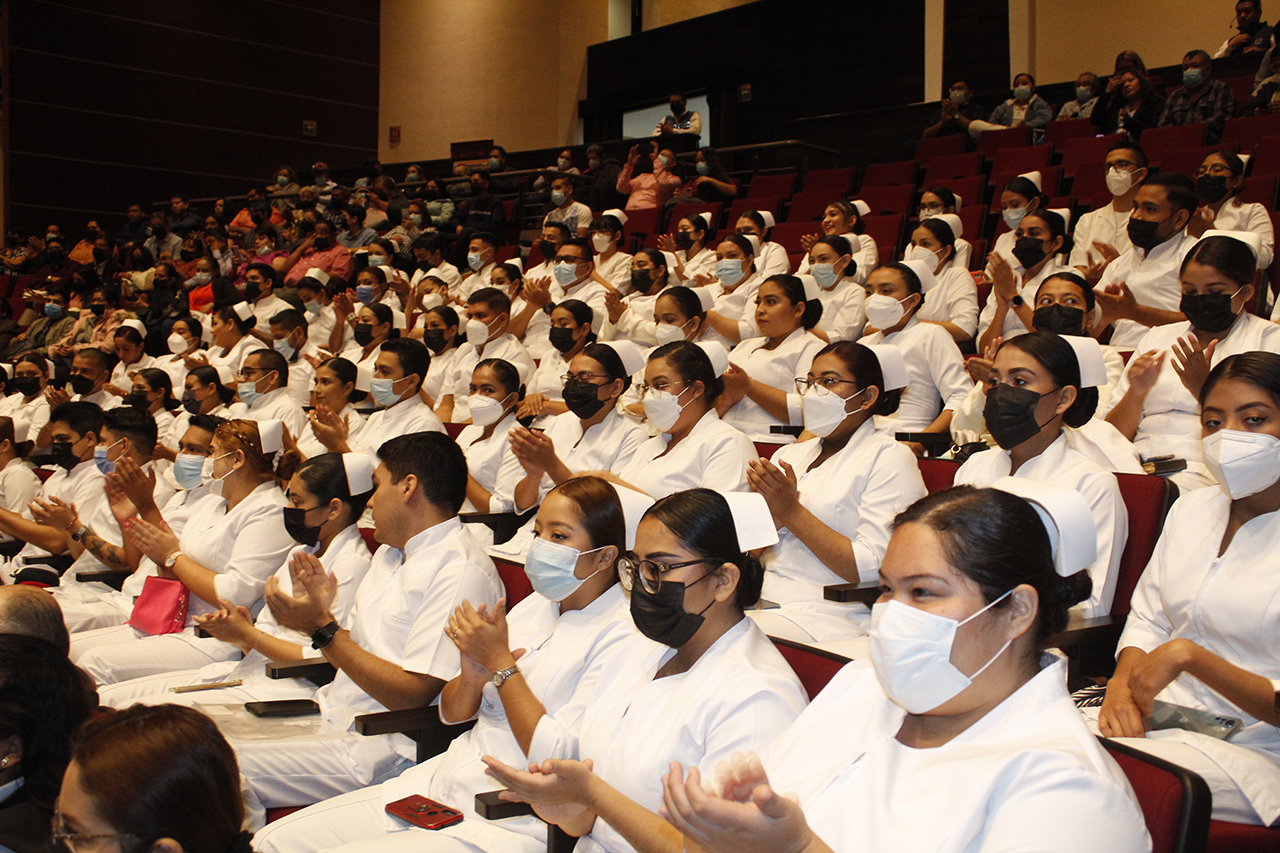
(728, 320)
(832, 265)
(1201, 98)
(1087, 90)
(1024, 108)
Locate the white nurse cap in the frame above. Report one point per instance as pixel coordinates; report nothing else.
(1093, 369)
(1067, 519)
(752, 521)
(893, 367)
(359, 468)
(634, 505)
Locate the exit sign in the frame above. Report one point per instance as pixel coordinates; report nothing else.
(394, 133)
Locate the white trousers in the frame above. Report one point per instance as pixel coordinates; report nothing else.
(300, 772)
(112, 655)
(87, 615)
(154, 690)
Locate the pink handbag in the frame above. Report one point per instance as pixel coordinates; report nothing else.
(161, 608)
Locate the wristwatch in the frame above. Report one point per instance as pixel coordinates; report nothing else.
(500, 677)
(324, 635)
(1016, 301)
(80, 532)
(170, 560)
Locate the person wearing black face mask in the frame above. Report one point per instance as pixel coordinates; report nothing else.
(632, 315)
(1041, 247)
(1219, 184)
(570, 331)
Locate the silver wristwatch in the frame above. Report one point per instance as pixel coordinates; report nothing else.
(500, 677)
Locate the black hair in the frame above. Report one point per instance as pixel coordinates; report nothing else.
(413, 355)
(193, 326)
(104, 361)
(693, 365)
(581, 312)
(793, 288)
(946, 196)
(1178, 188)
(484, 236)
(1057, 227)
(356, 211)
(7, 433)
(1258, 368)
(325, 477)
(375, 271)
(429, 241)
(208, 423)
(1024, 74)
(687, 301)
(1025, 188)
(703, 523)
(450, 319)
(565, 233)
(608, 223)
(384, 315)
(159, 380)
(756, 217)
(839, 245)
(207, 374)
(513, 272)
(267, 272)
(134, 424)
(1075, 278)
(588, 253)
(1125, 145)
(1059, 358)
(741, 241)
(847, 208)
(80, 417)
(41, 363)
(492, 298)
(227, 313)
(507, 374)
(1227, 255)
(997, 540)
(346, 373)
(609, 359)
(658, 259)
(289, 319)
(861, 361)
(909, 277)
(129, 333)
(698, 222)
(272, 361)
(600, 511)
(435, 460)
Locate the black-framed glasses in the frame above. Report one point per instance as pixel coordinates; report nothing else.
(1217, 170)
(1118, 164)
(569, 259)
(649, 572)
(828, 382)
(582, 377)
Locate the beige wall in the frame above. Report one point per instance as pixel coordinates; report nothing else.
(1086, 35)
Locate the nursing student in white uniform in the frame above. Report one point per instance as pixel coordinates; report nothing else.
(936, 201)
(959, 735)
(325, 328)
(1018, 197)
(90, 374)
(577, 612)
(321, 517)
(492, 467)
(841, 294)
(680, 314)
(938, 381)
(29, 402)
(631, 317)
(759, 386)
(613, 267)
(1219, 182)
(953, 303)
(738, 279)
(712, 685)
(1155, 404)
(844, 219)
(693, 447)
(571, 273)
(1040, 383)
(233, 541)
(1201, 631)
(183, 342)
(375, 325)
(440, 330)
(488, 315)
(771, 258)
(264, 391)
(1041, 247)
(18, 483)
(289, 338)
(694, 249)
(229, 329)
(205, 394)
(1102, 235)
(571, 330)
(335, 389)
(833, 498)
(130, 354)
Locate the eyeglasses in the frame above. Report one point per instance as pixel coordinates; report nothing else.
(583, 377)
(71, 840)
(1118, 165)
(1217, 169)
(644, 387)
(649, 572)
(828, 382)
(246, 372)
(568, 259)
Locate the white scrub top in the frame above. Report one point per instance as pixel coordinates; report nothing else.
(953, 299)
(843, 314)
(713, 455)
(1013, 324)
(1153, 279)
(778, 368)
(935, 369)
(492, 463)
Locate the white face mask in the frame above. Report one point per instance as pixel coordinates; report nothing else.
(884, 312)
(1243, 463)
(177, 343)
(477, 332)
(1013, 216)
(601, 242)
(485, 411)
(824, 410)
(911, 653)
(1119, 181)
(431, 300)
(550, 567)
(920, 253)
(669, 334)
(213, 484)
(663, 409)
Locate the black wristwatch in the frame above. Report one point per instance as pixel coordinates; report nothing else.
(324, 636)
(1016, 301)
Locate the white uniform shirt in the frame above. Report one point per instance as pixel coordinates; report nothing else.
(407, 416)
(1227, 605)
(102, 399)
(275, 405)
(777, 368)
(547, 378)
(636, 323)
(320, 327)
(302, 374)
(617, 271)
(1151, 278)
(505, 347)
(857, 493)
(843, 314)
(703, 263)
(866, 257)
(1013, 325)
(492, 463)
(935, 370)
(233, 358)
(1062, 466)
(1023, 777)
(954, 299)
(1249, 216)
(1104, 225)
(122, 374)
(607, 446)
(18, 487)
(713, 455)
(83, 486)
(446, 272)
(176, 367)
(772, 259)
(536, 334)
(739, 305)
(35, 412)
(1170, 415)
(266, 308)
(441, 365)
(309, 445)
(735, 698)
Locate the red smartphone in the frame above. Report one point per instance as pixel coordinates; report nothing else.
(426, 813)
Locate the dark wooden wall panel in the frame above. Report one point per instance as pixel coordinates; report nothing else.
(976, 46)
(112, 101)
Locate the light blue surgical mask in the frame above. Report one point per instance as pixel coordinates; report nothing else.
(702, 167)
(558, 197)
(105, 465)
(565, 273)
(53, 312)
(384, 391)
(1192, 77)
(473, 261)
(1021, 93)
(550, 568)
(313, 307)
(824, 274)
(248, 392)
(729, 271)
(364, 293)
(282, 346)
(186, 469)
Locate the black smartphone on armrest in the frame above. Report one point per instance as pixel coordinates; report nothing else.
(283, 708)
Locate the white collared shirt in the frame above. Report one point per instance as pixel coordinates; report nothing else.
(407, 416)
(35, 413)
(537, 334)
(777, 368)
(713, 455)
(607, 446)
(84, 486)
(1249, 216)
(1013, 325)
(955, 299)
(1151, 278)
(492, 463)
(302, 374)
(935, 369)
(1104, 225)
(275, 405)
(617, 271)
(19, 486)
(266, 308)
(438, 374)
(122, 374)
(233, 358)
(309, 445)
(320, 327)
(843, 311)
(102, 399)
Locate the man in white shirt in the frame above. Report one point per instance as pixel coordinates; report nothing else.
(262, 278)
(394, 653)
(264, 392)
(90, 374)
(429, 253)
(574, 215)
(482, 257)
(488, 317)
(1102, 235)
(289, 338)
(1141, 288)
(571, 269)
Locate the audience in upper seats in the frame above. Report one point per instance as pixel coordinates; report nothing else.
(575, 215)
(955, 113)
(163, 244)
(647, 181)
(1201, 98)
(1102, 235)
(319, 251)
(953, 304)
(1219, 182)
(1088, 88)
(1255, 35)
(604, 171)
(1139, 290)
(1130, 106)
(1025, 108)
(1262, 98)
(483, 211)
(709, 184)
(682, 119)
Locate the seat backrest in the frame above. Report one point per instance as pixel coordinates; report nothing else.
(1058, 132)
(741, 205)
(780, 186)
(765, 450)
(1185, 160)
(834, 180)
(938, 474)
(972, 217)
(953, 166)
(978, 258)
(641, 221)
(1147, 499)
(1015, 161)
(1086, 151)
(1175, 802)
(939, 146)
(1090, 185)
(1010, 137)
(1260, 189)
(710, 210)
(370, 539)
(885, 201)
(808, 206)
(972, 190)
(454, 430)
(1249, 131)
(788, 234)
(814, 667)
(1157, 140)
(888, 174)
(514, 580)
(885, 231)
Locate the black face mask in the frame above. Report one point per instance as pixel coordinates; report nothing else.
(661, 616)
(191, 404)
(62, 455)
(1208, 312)
(641, 281)
(1029, 251)
(320, 243)
(547, 248)
(159, 230)
(1010, 414)
(426, 266)
(583, 398)
(137, 399)
(81, 384)
(1212, 188)
(1144, 234)
(562, 338)
(1059, 319)
(252, 290)
(99, 255)
(27, 386)
(364, 334)
(98, 310)
(684, 240)
(295, 524)
(56, 255)
(434, 339)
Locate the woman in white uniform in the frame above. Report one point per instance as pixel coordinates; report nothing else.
(693, 447)
(729, 319)
(631, 317)
(959, 735)
(375, 324)
(334, 388)
(184, 341)
(938, 382)
(492, 469)
(578, 612)
(570, 331)
(441, 332)
(1155, 403)
(839, 291)
(204, 395)
(30, 376)
(1041, 250)
(771, 258)
(19, 485)
(1219, 182)
(131, 356)
(694, 250)
(151, 392)
(1040, 383)
(234, 540)
(834, 497)
(703, 683)
(936, 201)
(844, 219)
(229, 327)
(613, 267)
(760, 382)
(1201, 633)
(321, 517)
(1018, 197)
(953, 302)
